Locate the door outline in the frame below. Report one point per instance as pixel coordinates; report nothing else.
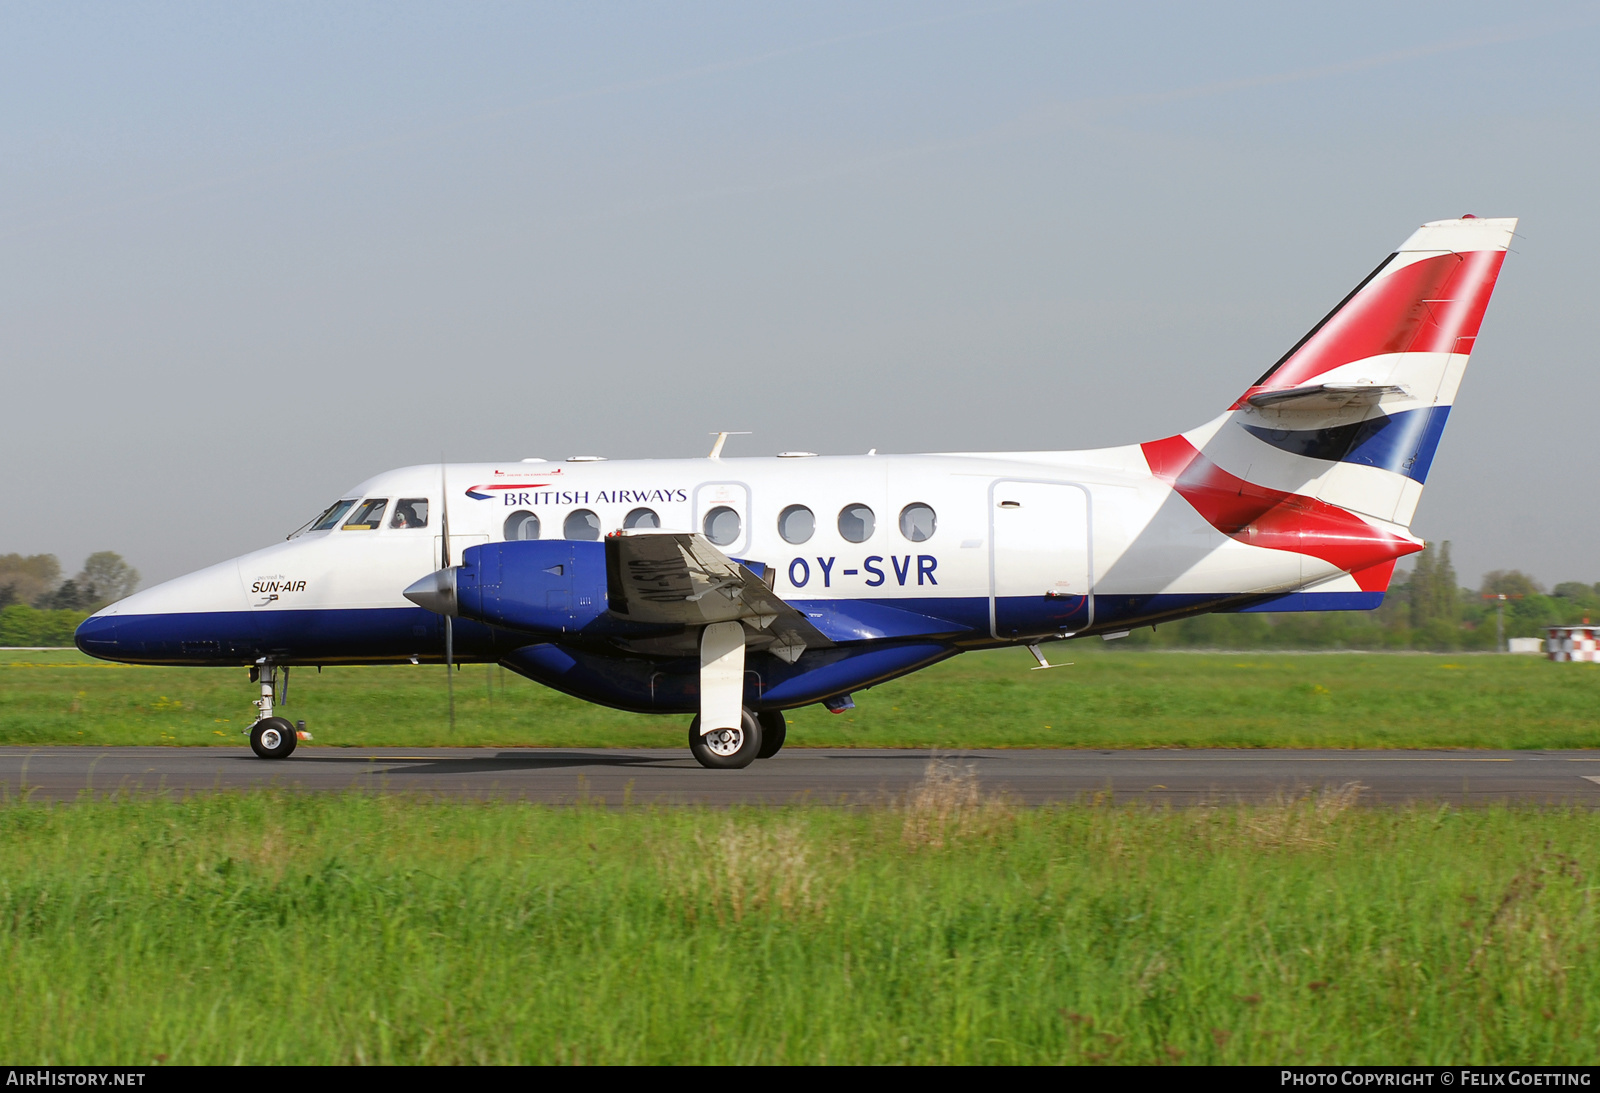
(738, 547)
(1088, 531)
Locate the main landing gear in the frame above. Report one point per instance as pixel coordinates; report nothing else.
(740, 736)
(759, 736)
(271, 737)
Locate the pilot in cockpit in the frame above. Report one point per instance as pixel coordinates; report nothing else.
(410, 513)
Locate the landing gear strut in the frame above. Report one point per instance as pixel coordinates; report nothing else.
(271, 737)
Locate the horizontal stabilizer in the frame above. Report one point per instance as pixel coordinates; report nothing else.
(678, 577)
(1326, 396)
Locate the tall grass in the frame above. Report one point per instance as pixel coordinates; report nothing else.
(940, 927)
(1123, 699)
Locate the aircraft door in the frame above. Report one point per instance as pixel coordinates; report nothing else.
(1041, 562)
(722, 514)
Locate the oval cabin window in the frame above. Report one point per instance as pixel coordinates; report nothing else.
(797, 524)
(856, 523)
(722, 525)
(642, 518)
(581, 524)
(522, 525)
(917, 522)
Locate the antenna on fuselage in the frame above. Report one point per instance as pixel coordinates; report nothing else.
(722, 438)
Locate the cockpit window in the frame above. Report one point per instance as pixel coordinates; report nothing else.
(410, 512)
(330, 516)
(369, 517)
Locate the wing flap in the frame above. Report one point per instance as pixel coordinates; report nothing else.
(681, 578)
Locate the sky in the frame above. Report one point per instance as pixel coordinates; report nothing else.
(251, 254)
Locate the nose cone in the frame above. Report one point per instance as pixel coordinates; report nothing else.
(97, 636)
(436, 592)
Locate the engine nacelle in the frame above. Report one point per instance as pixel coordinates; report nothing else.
(553, 586)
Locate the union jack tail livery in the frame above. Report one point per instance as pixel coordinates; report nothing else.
(1325, 456)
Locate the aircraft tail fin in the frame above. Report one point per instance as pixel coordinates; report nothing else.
(1327, 453)
(1367, 391)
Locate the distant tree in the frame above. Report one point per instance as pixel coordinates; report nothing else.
(8, 595)
(106, 578)
(1424, 602)
(1446, 592)
(1578, 594)
(67, 596)
(30, 576)
(1510, 582)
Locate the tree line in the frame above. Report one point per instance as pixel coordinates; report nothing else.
(1425, 609)
(38, 607)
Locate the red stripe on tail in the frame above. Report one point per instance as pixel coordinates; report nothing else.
(1272, 518)
(1435, 305)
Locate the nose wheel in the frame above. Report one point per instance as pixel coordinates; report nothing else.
(273, 738)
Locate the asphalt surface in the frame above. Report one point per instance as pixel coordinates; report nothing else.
(670, 776)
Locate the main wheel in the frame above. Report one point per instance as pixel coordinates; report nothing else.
(727, 749)
(272, 738)
(773, 729)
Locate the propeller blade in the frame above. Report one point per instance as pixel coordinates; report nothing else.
(444, 517)
(449, 622)
(449, 667)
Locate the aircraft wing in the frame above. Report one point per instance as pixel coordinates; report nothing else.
(679, 577)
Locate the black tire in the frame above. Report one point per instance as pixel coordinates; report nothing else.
(273, 738)
(773, 731)
(738, 748)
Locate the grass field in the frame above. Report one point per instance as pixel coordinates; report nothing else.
(1106, 699)
(942, 928)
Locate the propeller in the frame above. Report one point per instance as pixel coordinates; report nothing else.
(437, 592)
(449, 619)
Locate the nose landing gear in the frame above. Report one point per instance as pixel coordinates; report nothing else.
(271, 737)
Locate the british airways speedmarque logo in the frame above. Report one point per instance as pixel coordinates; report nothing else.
(485, 493)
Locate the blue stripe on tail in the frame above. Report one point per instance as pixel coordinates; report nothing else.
(1403, 442)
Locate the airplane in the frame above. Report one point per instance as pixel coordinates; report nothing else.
(734, 589)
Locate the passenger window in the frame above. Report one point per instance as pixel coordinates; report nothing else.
(411, 512)
(796, 524)
(856, 523)
(522, 524)
(330, 516)
(722, 525)
(369, 517)
(642, 518)
(581, 524)
(917, 522)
